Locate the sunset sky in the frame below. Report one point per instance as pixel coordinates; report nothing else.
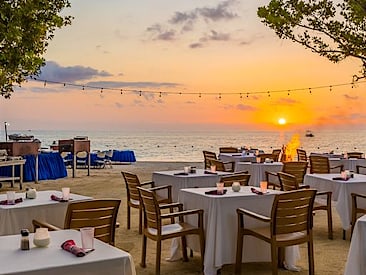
(216, 49)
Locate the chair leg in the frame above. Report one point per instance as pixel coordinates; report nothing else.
(311, 257)
(202, 249)
(344, 234)
(143, 253)
(239, 252)
(128, 217)
(330, 224)
(158, 257)
(274, 259)
(184, 249)
(140, 221)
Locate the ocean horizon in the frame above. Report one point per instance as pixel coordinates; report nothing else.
(179, 145)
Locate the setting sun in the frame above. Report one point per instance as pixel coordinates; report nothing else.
(282, 121)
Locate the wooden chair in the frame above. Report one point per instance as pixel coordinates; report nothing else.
(228, 150)
(223, 166)
(301, 155)
(241, 177)
(361, 169)
(276, 154)
(290, 223)
(265, 156)
(207, 155)
(356, 209)
(320, 165)
(156, 229)
(289, 183)
(98, 213)
(296, 168)
(354, 155)
(133, 197)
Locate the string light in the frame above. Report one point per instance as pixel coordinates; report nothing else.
(140, 93)
(330, 88)
(45, 83)
(309, 90)
(101, 90)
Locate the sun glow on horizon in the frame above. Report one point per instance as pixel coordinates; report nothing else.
(281, 121)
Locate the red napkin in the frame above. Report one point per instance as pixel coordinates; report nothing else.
(55, 198)
(70, 246)
(209, 172)
(340, 178)
(5, 202)
(255, 191)
(214, 192)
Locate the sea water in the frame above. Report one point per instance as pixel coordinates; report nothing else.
(188, 145)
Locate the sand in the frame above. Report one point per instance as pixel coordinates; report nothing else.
(330, 255)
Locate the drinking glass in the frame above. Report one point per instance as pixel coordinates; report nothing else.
(10, 196)
(220, 187)
(65, 193)
(263, 186)
(87, 238)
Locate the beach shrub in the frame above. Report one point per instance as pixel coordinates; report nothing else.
(26, 27)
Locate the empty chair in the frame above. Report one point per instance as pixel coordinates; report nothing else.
(158, 228)
(108, 158)
(207, 155)
(98, 213)
(133, 198)
(289, 183)
(276, 154)
(228, 150)
(241, 177)
(356, 209)
(296, 168)
(354, 155)
(223, 166)
(65, 157)
(82, 159)
(301, 155)
(290, 223)
(320, 165)
(264, 156)
(100, 160)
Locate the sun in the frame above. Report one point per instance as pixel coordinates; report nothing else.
(282, 121)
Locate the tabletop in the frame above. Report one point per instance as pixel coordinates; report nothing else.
(258, 170)
(105, 259)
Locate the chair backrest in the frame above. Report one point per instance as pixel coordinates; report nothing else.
(221, 166)
(296, 168)
(288, 182)
(152, 214)
(82, 154)
(100, 155)
(356, 155)
(99, 213)
(276, 154)
(301, 155)
(265, 156)
(242, 178)
(292, 212)
(109, 154)
(132, 182)
(228, 150)
(207, 157)
(319, 165)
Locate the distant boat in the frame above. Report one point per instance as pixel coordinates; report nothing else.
(309, 133)
(21, 137)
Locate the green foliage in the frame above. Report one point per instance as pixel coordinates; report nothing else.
(26, 27)
(333, 29)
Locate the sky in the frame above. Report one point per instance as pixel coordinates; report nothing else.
(198, 64)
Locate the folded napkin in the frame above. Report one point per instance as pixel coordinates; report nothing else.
(214, 192)
(209, 172)
(71, 247)
(5, 202)
(340, 178)
(181, 174)
(255, 191)
(55, 198)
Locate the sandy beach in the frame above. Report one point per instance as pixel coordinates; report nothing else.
(330, 255)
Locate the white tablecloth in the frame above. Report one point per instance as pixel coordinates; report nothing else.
(237, 157)
(356, 264)
(341, 192)
(198, 179)
(257, 170)
(106, 259)
(220, 224)
(348, 164)
(19, 216)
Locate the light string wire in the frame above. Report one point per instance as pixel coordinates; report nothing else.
(199, 94)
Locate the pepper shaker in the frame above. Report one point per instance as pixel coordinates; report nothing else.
(24, 242)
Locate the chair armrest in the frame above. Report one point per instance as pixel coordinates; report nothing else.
(303, 186)
(253, 215)
(358, 195)
(270, 183)
(171, 205)
(148, 183)
(160, 187)
(338, 166)
(358, 168)
(181, 213)
(37, 224)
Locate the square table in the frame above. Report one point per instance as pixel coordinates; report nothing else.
(348, 164)
(341, 192)
(198, 179)
(105, 259)
(18, 216)
(220, 224)
(258, 170)
(236, 157)
(356, 263)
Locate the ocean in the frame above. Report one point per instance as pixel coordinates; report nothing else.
(188, 145)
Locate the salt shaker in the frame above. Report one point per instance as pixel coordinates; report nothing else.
(24, 242)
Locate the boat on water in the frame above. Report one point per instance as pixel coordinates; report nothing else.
(309, 133)
(21, 137)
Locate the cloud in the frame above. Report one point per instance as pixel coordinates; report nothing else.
(118, 105)
(137, 84)
(196, 45)
(243, 107)
(348, 97)
(52, 71)
(286, 100)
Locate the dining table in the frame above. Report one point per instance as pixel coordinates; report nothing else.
(236, 157)
(348, 163)
(220, 225)
(178, 179)
(257, 171)
(105, 259)
(341, 192)
(356, 263)
(20, 215)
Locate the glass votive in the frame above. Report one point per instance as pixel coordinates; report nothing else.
(258, 160)
(263, 186)
(213, 168)
(220, 187)
(65, 193)
(187, 169)
(10, 197)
